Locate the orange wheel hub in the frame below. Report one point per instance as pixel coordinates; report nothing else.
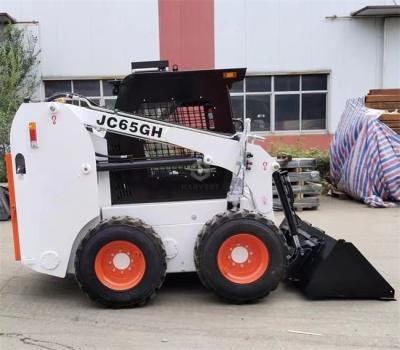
(120, 265)
(243, 258)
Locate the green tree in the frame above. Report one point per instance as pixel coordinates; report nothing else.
(19, 59)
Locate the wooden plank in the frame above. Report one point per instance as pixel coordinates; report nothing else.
(314, 189)
(334, 192)
(308, 176)
(393, 125)
(298, 163)
(303, 203)
(397, 130)
(383, 105)
(383, 98)
(384, 92)
(389, 117)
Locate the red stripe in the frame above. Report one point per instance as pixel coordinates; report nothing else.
(13, 207)
(187, 33)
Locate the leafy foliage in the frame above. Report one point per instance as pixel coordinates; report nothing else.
(18, 78)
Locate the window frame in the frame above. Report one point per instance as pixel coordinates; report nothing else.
(102, 98)
(299, 92)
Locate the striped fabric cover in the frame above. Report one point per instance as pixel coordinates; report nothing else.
(365, 157)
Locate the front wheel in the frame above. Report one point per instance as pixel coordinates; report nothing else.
(240, 256)
(120, 263)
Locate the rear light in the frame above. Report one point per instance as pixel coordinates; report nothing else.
(230, 75)
(33, 134)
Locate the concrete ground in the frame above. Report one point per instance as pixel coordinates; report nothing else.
(38, 311)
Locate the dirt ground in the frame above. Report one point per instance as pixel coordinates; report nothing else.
(44, 312)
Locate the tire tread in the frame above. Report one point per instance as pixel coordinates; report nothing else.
(208, 230)
(126, 221)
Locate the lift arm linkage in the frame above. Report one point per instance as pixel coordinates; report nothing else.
(250, 164)
(220, 150)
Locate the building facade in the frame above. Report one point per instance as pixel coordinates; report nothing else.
(304, 59)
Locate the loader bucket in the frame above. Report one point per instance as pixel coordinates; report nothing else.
(331, 268)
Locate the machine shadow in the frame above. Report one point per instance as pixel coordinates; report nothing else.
(184, 287)
(67, 290)
(184, 282)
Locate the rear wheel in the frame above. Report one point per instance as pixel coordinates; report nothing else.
(120, 263)
(240, 256)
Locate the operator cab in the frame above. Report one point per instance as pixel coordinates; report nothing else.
(199, 99)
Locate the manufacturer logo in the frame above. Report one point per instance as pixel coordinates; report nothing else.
(202, 172)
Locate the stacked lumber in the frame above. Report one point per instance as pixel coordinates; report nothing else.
(389, 101)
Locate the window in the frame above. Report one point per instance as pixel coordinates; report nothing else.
(87, 87)
(273, 103)
(51, 87)
(287, 109)
(281, 102)
(99, 91)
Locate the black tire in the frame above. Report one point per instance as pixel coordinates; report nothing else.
(121, 229)
(216, 232)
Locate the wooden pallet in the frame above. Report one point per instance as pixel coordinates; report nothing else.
(305, 183)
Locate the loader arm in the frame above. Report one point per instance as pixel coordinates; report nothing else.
(217, 149)
(250, 164)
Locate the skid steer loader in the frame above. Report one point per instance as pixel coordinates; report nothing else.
(163, 184)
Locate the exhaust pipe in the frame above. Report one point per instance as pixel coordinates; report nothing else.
(322, 266)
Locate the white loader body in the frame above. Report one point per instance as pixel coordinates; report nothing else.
(60, 195)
